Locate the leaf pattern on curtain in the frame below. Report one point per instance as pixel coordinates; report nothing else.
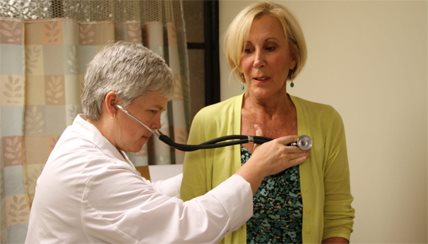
(13, 90)
(129, 30)
(34, 121)
(32, 59)
(13, 151)
(10, 32)
(42, 66)
(52, 32)
(55, 90)
(17, 210)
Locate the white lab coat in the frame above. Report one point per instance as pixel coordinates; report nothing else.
(89, 193)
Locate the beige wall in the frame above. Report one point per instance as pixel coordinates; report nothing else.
(369, 60)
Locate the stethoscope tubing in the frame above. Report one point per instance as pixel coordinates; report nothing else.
(304, 142)
(223, 141)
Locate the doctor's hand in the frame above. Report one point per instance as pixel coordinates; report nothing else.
(271, 158)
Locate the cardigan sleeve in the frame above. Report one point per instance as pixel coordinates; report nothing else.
(338, 212)
(196, 180)
(205, 169)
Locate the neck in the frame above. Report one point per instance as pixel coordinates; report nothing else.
(278, 103)
(104, 127)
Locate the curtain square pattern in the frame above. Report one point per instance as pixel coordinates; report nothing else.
(44, 50)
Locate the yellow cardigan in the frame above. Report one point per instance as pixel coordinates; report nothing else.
(324, 177)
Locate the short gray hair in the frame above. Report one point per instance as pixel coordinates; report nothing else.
(130, 70)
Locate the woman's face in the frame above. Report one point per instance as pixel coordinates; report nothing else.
(148, 108)
(266, 58)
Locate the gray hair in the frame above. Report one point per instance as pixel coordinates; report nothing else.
(128, 69)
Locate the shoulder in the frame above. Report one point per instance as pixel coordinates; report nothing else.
(311, 105)
(224, 108)
(315, 109)
(223, 105)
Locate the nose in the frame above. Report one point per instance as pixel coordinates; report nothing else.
(156, 122)
(259, 59)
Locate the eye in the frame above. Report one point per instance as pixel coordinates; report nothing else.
(248, 48)
(270, 48)
(152, 111)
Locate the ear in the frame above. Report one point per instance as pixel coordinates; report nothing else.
(293, 55)
(293, 64)
(110, 101)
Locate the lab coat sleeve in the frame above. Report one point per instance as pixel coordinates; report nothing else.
(170, 186)
(133, 211)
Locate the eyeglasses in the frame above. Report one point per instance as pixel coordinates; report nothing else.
(304, 142)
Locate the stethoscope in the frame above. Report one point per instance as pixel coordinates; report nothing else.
(304, 142)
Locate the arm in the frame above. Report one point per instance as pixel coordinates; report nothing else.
(271, 158)
(137, 212)
(169, 186)
(338, 212)
(335, 240)
(121, 207)
(195, 181)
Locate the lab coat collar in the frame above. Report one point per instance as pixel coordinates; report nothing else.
(93, 134)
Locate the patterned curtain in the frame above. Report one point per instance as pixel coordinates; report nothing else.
(44, 49)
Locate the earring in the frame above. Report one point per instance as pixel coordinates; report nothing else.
(242, 86)
(290, 76)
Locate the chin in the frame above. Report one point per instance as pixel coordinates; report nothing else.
(140, 144)
(135, 148)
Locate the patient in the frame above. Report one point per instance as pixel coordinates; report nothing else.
(309, 203)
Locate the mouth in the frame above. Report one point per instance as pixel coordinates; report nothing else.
(146, 137)
(261, 78)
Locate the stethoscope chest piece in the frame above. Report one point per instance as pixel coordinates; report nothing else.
(304, 142)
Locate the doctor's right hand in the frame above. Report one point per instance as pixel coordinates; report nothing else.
(271, 158)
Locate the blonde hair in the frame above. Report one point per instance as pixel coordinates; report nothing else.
(239, 29)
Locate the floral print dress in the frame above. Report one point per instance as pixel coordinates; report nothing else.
(277, 208)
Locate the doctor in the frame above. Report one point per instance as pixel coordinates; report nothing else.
(89, 191)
